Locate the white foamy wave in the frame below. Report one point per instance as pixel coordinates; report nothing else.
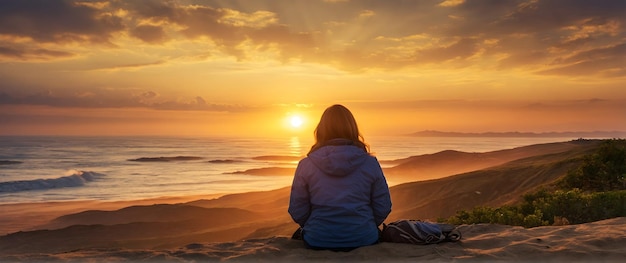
(76, 178)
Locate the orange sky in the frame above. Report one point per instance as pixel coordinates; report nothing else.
(235, 67)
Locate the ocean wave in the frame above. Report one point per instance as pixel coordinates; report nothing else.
(278, 158)
(275, 171)
(225, 161)
(166, 159)
(77, 178)
(7, 162)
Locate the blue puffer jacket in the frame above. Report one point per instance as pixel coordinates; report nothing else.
(339, 197)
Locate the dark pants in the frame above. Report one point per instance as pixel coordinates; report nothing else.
(298, 235)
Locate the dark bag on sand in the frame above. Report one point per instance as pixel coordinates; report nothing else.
(297, 235)
(419, 232)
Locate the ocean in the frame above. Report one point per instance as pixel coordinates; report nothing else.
(55, 168)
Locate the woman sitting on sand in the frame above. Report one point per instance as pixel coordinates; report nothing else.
(339, 194)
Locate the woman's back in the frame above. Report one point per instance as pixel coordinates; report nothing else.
(339, 197)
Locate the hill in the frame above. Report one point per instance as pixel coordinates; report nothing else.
(446, 163)
(494, 186)
(593, 134)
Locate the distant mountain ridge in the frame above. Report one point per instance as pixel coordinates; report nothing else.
(593, 134)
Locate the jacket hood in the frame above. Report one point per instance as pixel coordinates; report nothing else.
(338, 159)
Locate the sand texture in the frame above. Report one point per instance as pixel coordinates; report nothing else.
(601, 241)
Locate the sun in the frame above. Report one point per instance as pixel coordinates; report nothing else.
(296, 121)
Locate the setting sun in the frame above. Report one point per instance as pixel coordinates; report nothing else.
(296, 121)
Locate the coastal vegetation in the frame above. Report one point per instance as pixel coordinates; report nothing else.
(593, 191)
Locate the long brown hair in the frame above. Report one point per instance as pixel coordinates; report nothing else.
(338, 122)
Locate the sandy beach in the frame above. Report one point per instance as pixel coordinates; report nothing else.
(593, 242)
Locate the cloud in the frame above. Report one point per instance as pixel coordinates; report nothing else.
(448, 3)
(523, 58)
(531, 17)
(57, 21)
(257, 19)
(614, 108)
(229, 29)
(22, 53)
(534, 35)
(461, 49)
(608, 61)
(604, 67)
(149, 94)
(617, 51)
(131, 66)
(115, 99)
(149, 33)
(366, 14)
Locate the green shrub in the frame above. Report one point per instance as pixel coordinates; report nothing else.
(540, 209)
(595, 190)
(605, 170)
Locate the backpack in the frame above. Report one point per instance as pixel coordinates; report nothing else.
(419, 232)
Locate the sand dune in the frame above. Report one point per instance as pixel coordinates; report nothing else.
(253, 201)
(32, 216)
(153, 213)
(446, 163)
(146, 235)
(592, 242)
(187, 229)
(494, 186)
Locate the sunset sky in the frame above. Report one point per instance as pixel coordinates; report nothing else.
(235, 67)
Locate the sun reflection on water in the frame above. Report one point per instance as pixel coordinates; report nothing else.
(295, 147)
